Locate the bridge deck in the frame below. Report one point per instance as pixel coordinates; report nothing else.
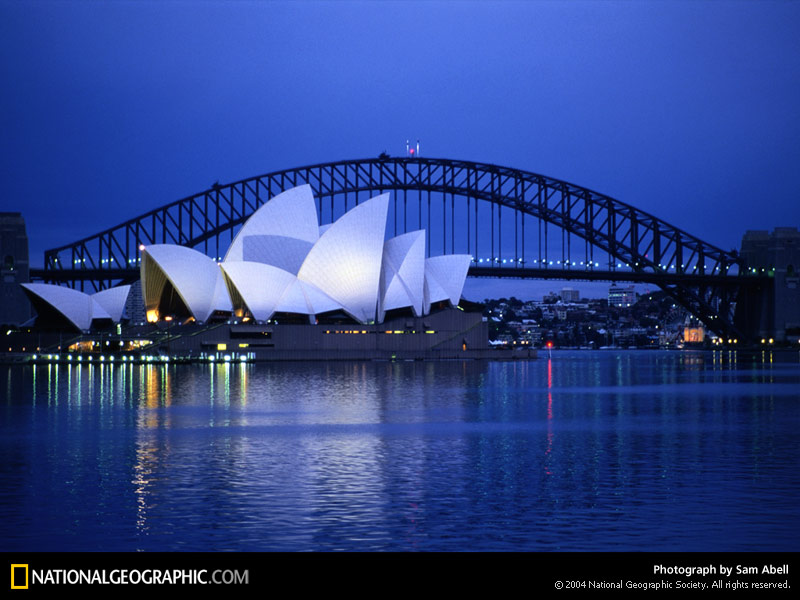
(71, 275)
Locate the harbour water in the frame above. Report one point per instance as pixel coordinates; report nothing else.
(601, 451)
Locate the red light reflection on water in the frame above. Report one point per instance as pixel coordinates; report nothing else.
(549, 415)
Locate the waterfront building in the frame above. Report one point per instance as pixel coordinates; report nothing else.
(287, 289)
(776, 255)
(694, 335)
(621, 296)
(14, 270)
(282, 265)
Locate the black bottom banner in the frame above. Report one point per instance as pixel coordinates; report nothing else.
(347, 572)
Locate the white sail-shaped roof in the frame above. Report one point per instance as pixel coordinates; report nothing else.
(196, 278)
(291, 214)
(113, 300)
(283, 261)
(78, 308)
(403, 273)
(432, 292)
(445, 277)
(279, 251)
(222, 300)
(260, 286)
(305, 298)
(345, 263)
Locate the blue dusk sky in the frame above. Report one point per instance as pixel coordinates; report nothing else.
(688, 110)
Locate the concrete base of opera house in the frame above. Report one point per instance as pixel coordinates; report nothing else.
(446, 334)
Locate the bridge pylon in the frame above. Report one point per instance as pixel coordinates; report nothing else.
(771, 309)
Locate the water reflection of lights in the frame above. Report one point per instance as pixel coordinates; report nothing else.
(102, 381)
(220, 375)
(156, 391)
(152, 391)
(146, 458)
(155, 383)
(49, 383)
(243, 368)
(166, 385)
(549, 449)
(227, 368)
(211, 383)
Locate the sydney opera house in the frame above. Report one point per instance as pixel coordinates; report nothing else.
(290, 288)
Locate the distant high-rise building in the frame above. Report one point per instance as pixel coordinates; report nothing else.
(570, 295)
(14, 306)
(621, 296)
(134, 306)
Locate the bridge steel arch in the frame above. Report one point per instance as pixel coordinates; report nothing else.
(703, 278)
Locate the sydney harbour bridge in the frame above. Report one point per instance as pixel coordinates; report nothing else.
(513, 223)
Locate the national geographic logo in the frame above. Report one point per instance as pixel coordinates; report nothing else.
(19, 577)
(22, 576)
